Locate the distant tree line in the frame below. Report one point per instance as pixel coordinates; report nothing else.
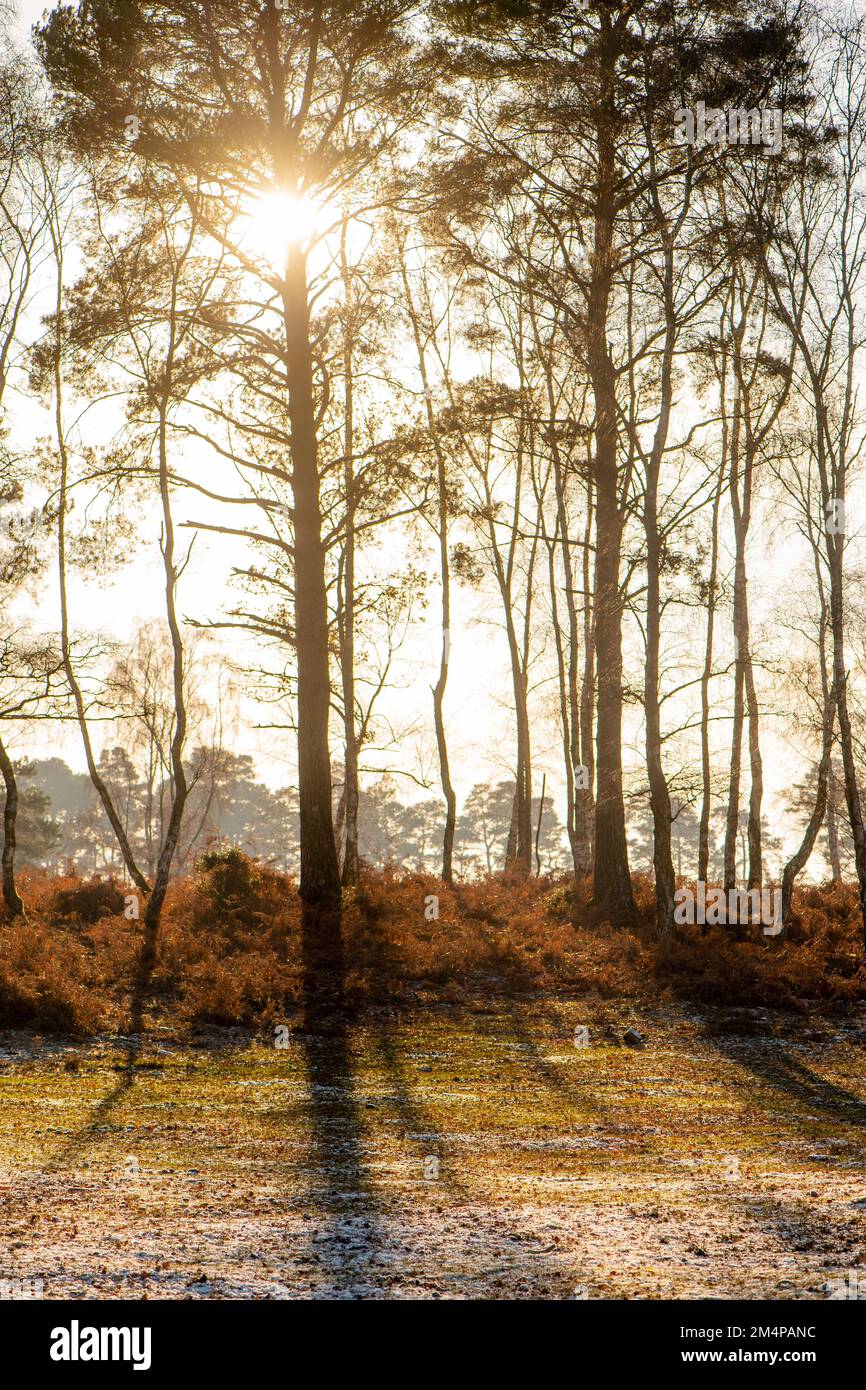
(62, 824)
(523, 337)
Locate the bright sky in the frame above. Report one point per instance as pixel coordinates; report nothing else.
(477, 647)
(477, 707)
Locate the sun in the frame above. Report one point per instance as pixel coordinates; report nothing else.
(279, 221)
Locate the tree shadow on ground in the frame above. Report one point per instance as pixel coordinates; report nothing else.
(482, 1247)
(770, 1062)
(347, 1235)
(812, 1242)
(581, 1096)
(384, 977)
(71, 1153)
(794, 1223)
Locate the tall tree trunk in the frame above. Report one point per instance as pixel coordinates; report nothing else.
(11, 897)
(586, 799)
(826, 686)
(706, 675)
(511, 842)
(568, 713)
(840, 677)
(525, 734)
(745, 699)
(444, 587)
(347, 626)
(346, 828)
(756, 767)
(832, 826)
(740, 518)
(578, 826)
(519, 852)
(442, 744)
(179, 792)
(65, 646)
(660, 801)
(798, 860)
(320, 874)
(567, 663)
(612, 890)
(340, 819)
(538, 827)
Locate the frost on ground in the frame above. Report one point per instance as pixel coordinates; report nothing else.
(446, 1154)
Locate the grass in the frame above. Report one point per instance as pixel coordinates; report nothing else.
(222, 1166)
(447, 1138)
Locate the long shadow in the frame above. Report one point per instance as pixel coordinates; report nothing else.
(768, 1061)
(141, 987)
(789, 1221)
(808, 1235)
(799, 1229)
(72, 1151)
(340, 1188)
(792, 1221)
(582, 1097)
(347, 1238)
(384, 971)
(792, 1077)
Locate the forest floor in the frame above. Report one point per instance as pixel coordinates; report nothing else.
(444, 1153)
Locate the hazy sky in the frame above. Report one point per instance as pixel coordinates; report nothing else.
(480, 725)
(478, 703)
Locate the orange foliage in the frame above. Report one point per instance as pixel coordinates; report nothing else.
(229, 948)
